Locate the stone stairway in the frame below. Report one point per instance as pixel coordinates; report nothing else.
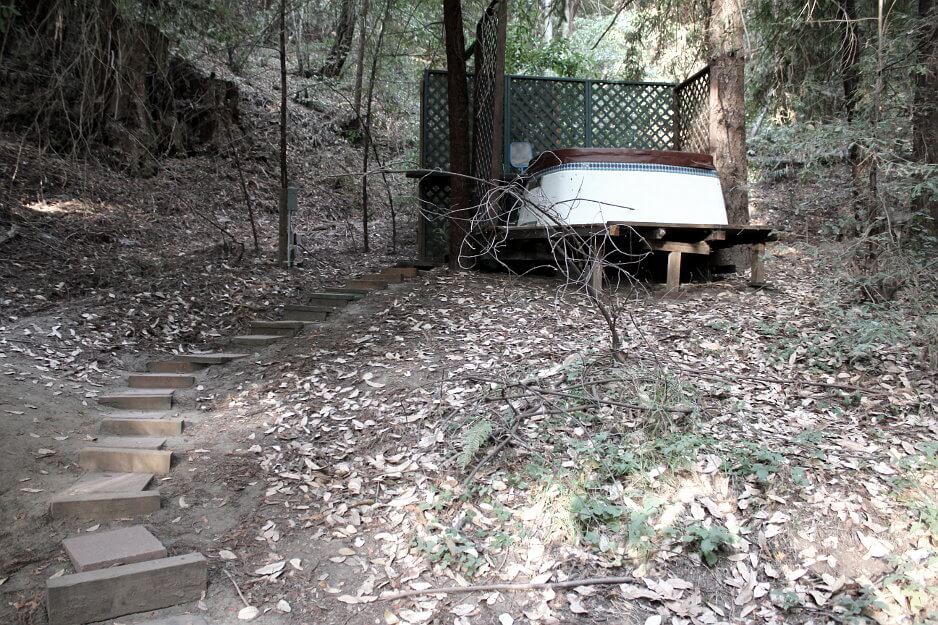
(126, 570)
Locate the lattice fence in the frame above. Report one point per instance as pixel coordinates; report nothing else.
(630, 115)
(435, 119)
(546, 112)
(692, 102)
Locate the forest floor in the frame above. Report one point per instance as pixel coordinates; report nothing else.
(760, 455)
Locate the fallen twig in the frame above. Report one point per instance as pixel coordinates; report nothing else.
(10, 234)
(452, 590)
(246, 604)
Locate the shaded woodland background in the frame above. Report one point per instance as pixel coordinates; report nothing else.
(113, 103)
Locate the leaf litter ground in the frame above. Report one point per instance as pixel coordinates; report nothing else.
(749, 459)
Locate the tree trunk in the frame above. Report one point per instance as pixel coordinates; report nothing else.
(727, 104)
(925, 113)
(283, 231)
(360, 69)
(569, 15)
(850, 76)
(546, 6)
(344, 32)
(458, 102)
(367, 125)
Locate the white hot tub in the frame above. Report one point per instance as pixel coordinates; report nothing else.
(599, 185)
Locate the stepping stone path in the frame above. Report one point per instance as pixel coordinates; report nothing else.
(126, 570)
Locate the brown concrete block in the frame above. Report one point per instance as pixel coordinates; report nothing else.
(130, 426)
(160, 380)
(216, 358)
(404, 272)
(140, 587)
(390, 278)
(256, 340)
(120, 460)
(305, 313)
(181, 619)
(129, 442)
(105, 506)
(139, 399)
(368, 285)
(100, 550)
(281, 328)
(173, 366)
(347, 289)
(108, 483)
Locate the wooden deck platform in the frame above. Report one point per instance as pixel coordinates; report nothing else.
(520, 243)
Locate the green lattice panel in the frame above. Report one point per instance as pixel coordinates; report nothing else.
(547, 113)
(434, 208)
(436, 120)
(693, 124)
(628, 115)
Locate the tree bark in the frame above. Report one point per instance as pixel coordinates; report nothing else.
(546, 6)
(925, 113)
(344, 33)
(728, 105)
(283, 231)
(458, 102)
(360, 69)
(367, 125)
(569, 15)
(850, 76)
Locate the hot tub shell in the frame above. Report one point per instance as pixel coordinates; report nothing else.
(598, 185)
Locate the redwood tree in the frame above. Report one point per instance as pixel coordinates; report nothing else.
(727, 104)
(458, 102)
(925, 112)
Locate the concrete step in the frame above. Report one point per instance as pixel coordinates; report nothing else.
(130, 442)
(368, 285)
(140, 426)
(256, 340)
(101, 550)
(127, 589)
(125, 460)
(281, 328)
(160, 380)
(139, 399)
(173, 366)
(217, 358)
(332, 300)
(404, 272)
(300, 312)
(347, 290)
(108, 483)
(105, 506)
(179, 619)
(390, 278)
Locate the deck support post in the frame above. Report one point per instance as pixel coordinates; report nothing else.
(674, 271)
(757, 275)
(598, 269)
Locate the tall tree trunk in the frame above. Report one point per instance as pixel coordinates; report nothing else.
(367, 125)
(458, 102)
(728, 104)
(569, 15)
(546, 15)
(283, 231)
(850, 76)
(344, 32)
(360, 68)
(925, 113)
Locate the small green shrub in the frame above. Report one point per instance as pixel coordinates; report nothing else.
(709, 542)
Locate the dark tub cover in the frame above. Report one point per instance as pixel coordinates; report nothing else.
(563, 156)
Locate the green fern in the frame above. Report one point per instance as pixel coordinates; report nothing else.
(477, 436)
